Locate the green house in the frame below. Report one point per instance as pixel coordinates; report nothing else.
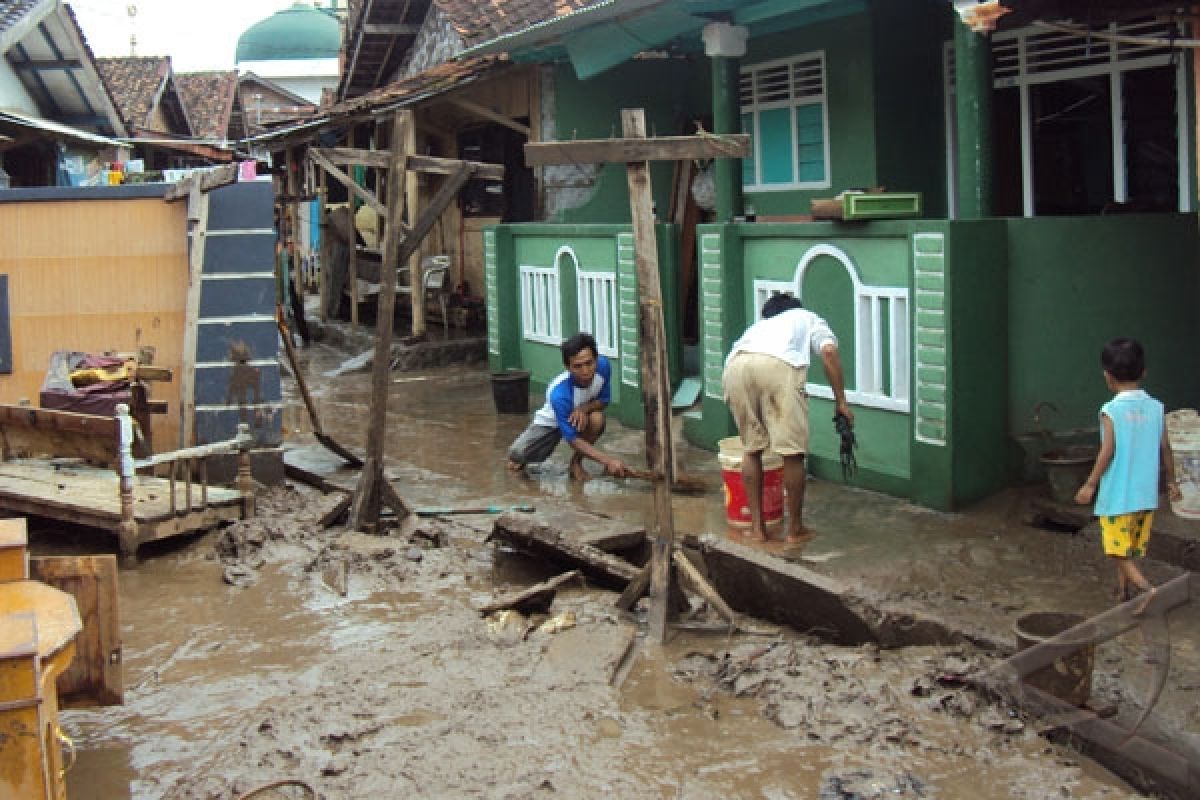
(1040, 199)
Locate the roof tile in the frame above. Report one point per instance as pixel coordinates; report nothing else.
(133, 83)
(478, 21)
(208, 97)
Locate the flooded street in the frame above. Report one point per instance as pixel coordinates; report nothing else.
(400, 688)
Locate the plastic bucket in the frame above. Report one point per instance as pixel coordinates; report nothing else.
(737, 510)
(1069, 678)
(1183, 432)
(510, 391)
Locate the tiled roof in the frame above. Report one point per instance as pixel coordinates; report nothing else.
(133, 82)
(11, 11)
(480, 21)
(208, 97)
(434, 81)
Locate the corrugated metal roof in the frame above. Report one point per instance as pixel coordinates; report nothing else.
(56, 128)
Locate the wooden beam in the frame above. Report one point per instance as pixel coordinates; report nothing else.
(344, 179)
(197, 211)
(487, 113)
(349, 156)
(655, 391)
(389, 29)
(49, 63)
(202, 181)
(628, 150)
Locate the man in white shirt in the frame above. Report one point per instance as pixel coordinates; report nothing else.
(764, 380)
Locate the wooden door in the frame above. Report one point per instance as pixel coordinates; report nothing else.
(95, 676)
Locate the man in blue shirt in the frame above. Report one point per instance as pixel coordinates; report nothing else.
(574, 411)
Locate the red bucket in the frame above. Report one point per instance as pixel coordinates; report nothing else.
(737, 510)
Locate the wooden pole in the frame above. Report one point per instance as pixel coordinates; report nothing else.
(368, 497)
(326, 258)
(655, 387)
(198, 220)
(413, 200)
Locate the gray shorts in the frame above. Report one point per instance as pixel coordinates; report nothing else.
(534, 445)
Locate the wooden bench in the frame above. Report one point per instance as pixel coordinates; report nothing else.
(80, 468)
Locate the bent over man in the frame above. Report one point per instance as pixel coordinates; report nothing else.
(765, 377)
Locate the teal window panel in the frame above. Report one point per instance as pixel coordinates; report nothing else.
(775, 146)
(810, 143)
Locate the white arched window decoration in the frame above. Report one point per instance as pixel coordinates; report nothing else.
(541, 300)
(598, 304)
(881, 326)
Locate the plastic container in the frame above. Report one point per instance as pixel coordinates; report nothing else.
(1069, 677)
(1183, 432)
(510, 391)
(1067, 469)
(737, 510)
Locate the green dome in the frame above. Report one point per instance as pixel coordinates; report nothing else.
(299, 32)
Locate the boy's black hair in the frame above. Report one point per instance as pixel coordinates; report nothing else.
(571, 347)
(778, 303)
(1124, 359)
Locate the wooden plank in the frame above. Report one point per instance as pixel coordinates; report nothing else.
(197, 205)
(344, 179)
(348, 156)
(655, 389)
(95, 676)
(636, 149)
(528, 533)
(202, 182)
(487, 113)
(535, 598)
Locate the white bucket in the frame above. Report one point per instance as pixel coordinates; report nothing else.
(1183, 432)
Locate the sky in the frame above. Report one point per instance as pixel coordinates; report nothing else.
(198, 36)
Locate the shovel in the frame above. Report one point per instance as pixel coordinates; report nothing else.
(322, 437)
(439, 512)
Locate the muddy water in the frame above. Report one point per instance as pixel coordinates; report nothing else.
(400, 689)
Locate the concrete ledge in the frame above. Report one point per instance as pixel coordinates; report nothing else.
(767, 587)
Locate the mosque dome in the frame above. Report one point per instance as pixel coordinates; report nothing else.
(298, 32)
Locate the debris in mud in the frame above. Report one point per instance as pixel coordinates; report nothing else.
(864, 785)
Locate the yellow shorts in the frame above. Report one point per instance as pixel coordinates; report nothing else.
(1126, 535)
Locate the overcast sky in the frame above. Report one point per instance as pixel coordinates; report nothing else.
(198, 35)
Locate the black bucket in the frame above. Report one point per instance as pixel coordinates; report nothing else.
(510, 391)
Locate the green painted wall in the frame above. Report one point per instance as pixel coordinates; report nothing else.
(597, 248)
(910, 134)
(1077, 282)
(673, 92)
(850, 88)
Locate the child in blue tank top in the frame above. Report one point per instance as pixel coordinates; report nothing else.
(1124, 481)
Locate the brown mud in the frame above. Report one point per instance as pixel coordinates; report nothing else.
(278, 649)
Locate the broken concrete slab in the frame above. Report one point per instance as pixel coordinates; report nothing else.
(535, 533)
(762, 585)
(604, 533)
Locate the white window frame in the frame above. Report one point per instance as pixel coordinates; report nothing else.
(869, 302)
(597, 291)
(753, 106)
(541, 304)
(1014, 66)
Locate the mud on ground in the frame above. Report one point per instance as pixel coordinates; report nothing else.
(378, 679)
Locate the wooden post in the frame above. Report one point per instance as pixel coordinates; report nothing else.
(326, 242)
(352, 238)
(198, 220)
(413, 200)
(635, 150)
(655, 387)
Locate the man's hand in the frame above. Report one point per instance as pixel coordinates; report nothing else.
(1086, 494)
(843, 408)
(616, 467)
(579, 418)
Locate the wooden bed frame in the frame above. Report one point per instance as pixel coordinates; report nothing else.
(80, 468)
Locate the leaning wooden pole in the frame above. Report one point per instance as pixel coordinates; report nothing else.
(364, 511)
(655, 392)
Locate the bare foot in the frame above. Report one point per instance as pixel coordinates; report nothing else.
(1146, 600)
(756, 535)
(577, 471)
(800, 536)
(514, 466)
